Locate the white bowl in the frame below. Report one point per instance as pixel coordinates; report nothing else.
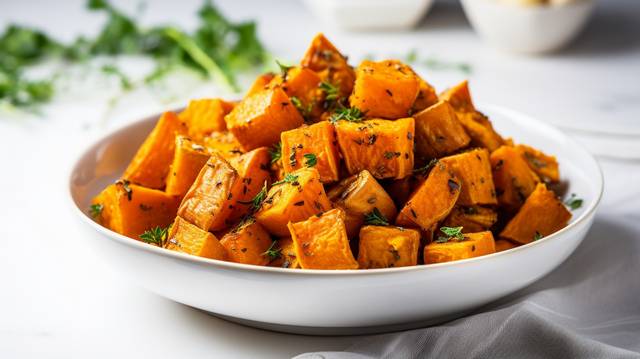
(528, 29)
(337, 302)
(369, 14)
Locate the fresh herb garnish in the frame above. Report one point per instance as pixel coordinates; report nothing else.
(351, 114)
(156, 236)
(331, 92)
(449, 234)
(424, 169)
(284, 69)
(288, 178)
(95, 210)
(573, 202)
(257, 200)
(310, 159)
(273, 252)
(375, 218)
(537, 236)
(305, 111)
(276, 152)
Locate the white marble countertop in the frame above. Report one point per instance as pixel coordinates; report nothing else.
(60, 300)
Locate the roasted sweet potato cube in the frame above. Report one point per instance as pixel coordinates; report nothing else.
(261, 83)
(459, 97)
(224, 143)
(358, 195)
(286, 250)
(302, 85)
(545, 166)
(399, 190)
(204, 116)
(427, 96)
(513, 178)
(322, 243)
(131, 210)
(259, 119)
(253, 169)
(387, 246)
(296, 198)
(433, 200)
(473, 169)
(504, 245)
(480, 129)
(187, 238)
(438, 131)
(541, 214)
(209, 202)
(473, 245)
(384, 148)
(385, 89)
(471, 218)
(150, 165)
(312, 146)
(188, 160)
(248, 243)
(332, 67)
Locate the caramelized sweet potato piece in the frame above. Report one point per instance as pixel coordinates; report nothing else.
(545, 166)
(433, 200)
(427, 96)
(473, 245)
(472, 219)
(131, 210)
(332, 67)
(358, 195)
(322, 243)
(504, 245)
(205, 116)
(385, 89)
(438, 131)
(459, 97)
(312, 146)
(186, 238)
(209, 202)
(473, 169)
(541, 214)
(248, 243)
(384, 148)
(253, 169)
(260, 118)
(261, 83)
(287, 254)
(293, 200)
(513, 178)
(399, 190)
(224, 143)
(302, 85)
(150, 166)
(385, 246)
(187, 162)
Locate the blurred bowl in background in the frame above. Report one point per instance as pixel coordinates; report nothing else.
(528, 28)
(369, 14)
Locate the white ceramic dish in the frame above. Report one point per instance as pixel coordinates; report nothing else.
(527, 29)
(369, 14)
(337, 302)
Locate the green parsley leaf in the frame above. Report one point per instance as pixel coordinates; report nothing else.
(449, 234)
(375, 218)
(310, 159)
(276, 152)
(95, 210)
(331, 92)
(573, 202)
(156, 236)
(351, 114)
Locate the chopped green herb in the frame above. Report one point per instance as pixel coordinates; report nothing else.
(424, 169)
(310, 160)
(276, 152)
(375, 218)
(351, 114)
(284, 69)
(288, 178)
(96, 210)
(449, 234)
(305, 111)
(257, 200)
(573, 202)
(537, 236)
(331, 92)
(273, 252)
(156, 236)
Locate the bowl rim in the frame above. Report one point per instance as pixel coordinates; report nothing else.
(225, 265)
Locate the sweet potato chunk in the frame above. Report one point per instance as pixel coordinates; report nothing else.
(438, 131)
(332, 67)
(302, 85)
(209, 202)
(385, 89)
(224, 143)
(322, 243)
(248, 244)
(427, 96)
(545, 166)
(384, 148)
(188, 160)
(384, 247)
(472, 218)
(298, 197)
(261, 83)
(513, 178)
(433, 200)
(459, 97)
(130, 209)
(260, 118)
(286, 250)
(312, 146)
(186, 238)
(504, 245)
(253, 169)
(473, 245)
(358, 195)
(473, 169)
(205, 116)
(150, 166)
(541, 214)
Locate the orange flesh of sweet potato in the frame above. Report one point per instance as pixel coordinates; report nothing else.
(224, 143)
(541, 214)
(247, 244)
(259, 119)
(513, 178)
(186, 238)
(438, 131)
(545, 166)
(204, 116)
(385, 89)
(472, 219)
(384, 247)
(384, 148)
(358, 195)
(261, 83)
(332, 67)
(293, 202)
(253, 169)
(433, 200)
(303, 84)
(427, 96)
(504, 245)
(131, 210)
(473, 169)
(287, 257)
(474, 245)
(322, 243)
(150, 165)
(317, 141)
(459, 97)
(209, 202)
(188, 160)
